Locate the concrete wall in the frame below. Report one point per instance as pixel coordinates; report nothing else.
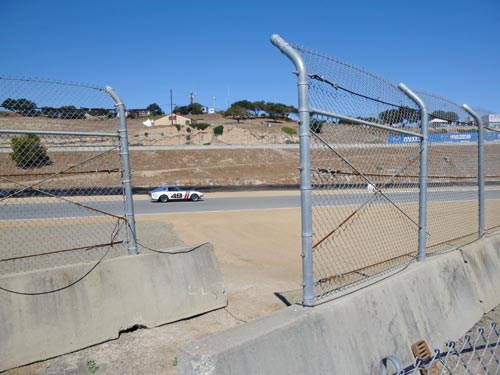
(437, 300)
(147, 290)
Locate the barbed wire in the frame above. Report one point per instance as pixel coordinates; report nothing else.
(52, 82)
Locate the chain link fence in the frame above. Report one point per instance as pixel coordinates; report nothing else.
(62, 198)
(491, 123)
(362, 187)
(452, 175)
(476, 353)
(388, 175)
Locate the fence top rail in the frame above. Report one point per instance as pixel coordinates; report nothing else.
(48, 132)
(335, 60)
(343, 88)
(25, 98)
(52, 82)
(363, 122)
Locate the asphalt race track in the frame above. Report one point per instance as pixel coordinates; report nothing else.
(37, 210)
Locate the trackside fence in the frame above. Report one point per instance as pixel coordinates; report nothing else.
(65, 190)
(476, 353)
(389, 175)
(491, 123)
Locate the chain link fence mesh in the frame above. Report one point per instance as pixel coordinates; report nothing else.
(491, 123)
(365, 188)
(61, 197)
(365, 165)
(452, 175)
(365, 215)
(476, 353)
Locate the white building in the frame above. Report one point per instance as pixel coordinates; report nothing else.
(173, 119)
(437, 122)
(491, 120)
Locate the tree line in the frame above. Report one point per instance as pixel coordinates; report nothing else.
(248, 109)
(243, 109)
(406, 115)
(28, 108)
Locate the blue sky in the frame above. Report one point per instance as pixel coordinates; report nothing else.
(221, 49)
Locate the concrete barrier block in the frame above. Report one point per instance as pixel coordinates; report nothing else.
(146, 290)
(484, 260)
(434, 300)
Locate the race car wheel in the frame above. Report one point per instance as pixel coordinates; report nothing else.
(195, 197)
(163, 199)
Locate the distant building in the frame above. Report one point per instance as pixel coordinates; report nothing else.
(438, 122)
(173, 119)
(491, 120)
(207, 110)
(136, 113)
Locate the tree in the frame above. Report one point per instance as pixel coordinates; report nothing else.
(218, 130)
(447, 116)
(390, 116)
(50, 112)
(279, 110)
(259, 106)
(22, 106)
(240, 109)
(154, 109)
(246, 108)
(101, 112)
(237, 112)
(316, 125)
(400, 115)
(71, 112)
(191, 109)
(28, 151)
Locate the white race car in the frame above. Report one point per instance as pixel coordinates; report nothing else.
(171, 192)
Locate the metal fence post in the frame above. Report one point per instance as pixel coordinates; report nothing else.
(480, 166)
(424, 153)
(305, 169)
(126, 173)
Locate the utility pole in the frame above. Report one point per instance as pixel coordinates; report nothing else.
(171, 109)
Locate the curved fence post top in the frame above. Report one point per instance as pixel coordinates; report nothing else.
(413, 96)
(291, 53)
(111, 92)
(473, 113)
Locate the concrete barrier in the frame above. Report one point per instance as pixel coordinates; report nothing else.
(146, 290)
(484, 261)
(438, 300)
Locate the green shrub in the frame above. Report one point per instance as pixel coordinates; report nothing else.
(218, 130)
(288, 130)
(200, 126)
(28, 151)
(178, 127)
(316, 126)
